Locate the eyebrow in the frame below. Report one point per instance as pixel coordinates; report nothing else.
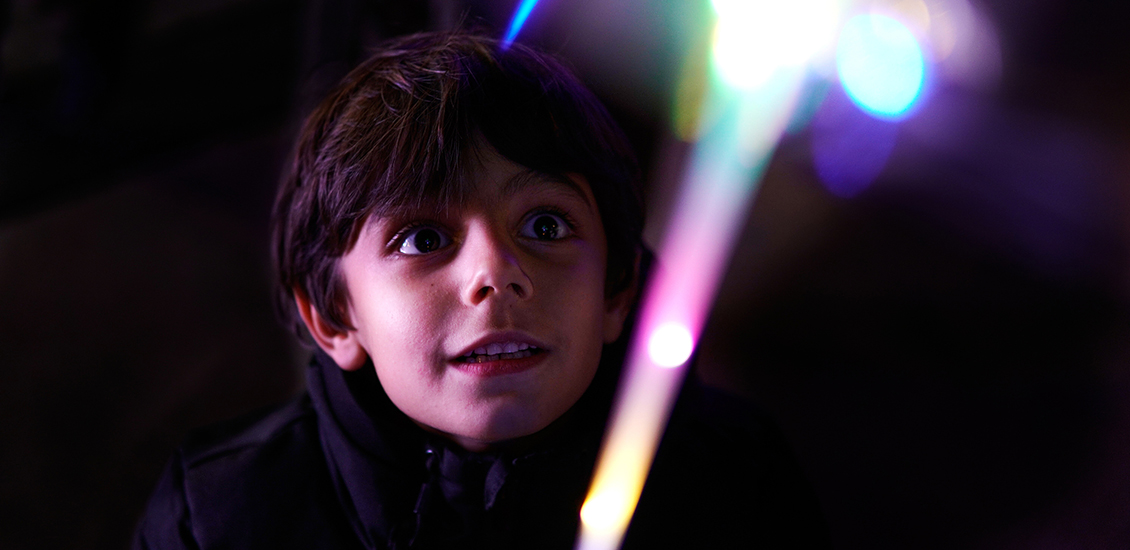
(530, 177)
(525, 179)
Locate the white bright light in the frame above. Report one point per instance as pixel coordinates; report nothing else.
(670, 345)
(880, 64)
(753, 38)
(607, 511)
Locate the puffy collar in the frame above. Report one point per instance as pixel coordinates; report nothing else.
(389, 474)
(371, 448)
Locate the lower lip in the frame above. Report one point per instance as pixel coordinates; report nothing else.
(501, 366)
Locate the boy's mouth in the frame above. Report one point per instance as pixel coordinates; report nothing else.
(496, 352)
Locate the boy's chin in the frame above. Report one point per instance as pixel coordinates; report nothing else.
(492, 438)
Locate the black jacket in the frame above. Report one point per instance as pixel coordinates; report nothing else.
(342, 468)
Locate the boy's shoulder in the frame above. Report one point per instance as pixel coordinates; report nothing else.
(247, 437)
(259, 481)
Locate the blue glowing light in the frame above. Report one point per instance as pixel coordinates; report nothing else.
(880, 65)
(516, 23)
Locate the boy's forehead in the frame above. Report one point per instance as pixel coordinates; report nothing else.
(568, 184)
(456, 195)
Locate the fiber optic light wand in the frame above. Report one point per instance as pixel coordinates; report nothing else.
(757, 71)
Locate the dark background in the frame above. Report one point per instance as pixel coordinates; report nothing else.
(947, 351)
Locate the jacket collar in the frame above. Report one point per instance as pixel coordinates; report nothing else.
(382, 464)
(369, 446)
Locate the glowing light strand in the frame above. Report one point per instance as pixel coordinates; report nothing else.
(717, 189)
(745, 109)
(516, 23)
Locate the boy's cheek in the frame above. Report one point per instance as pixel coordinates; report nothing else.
(576, 271)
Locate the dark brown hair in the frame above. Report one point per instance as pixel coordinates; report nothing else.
(403, 128)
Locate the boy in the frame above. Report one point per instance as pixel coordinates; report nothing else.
(459, 236)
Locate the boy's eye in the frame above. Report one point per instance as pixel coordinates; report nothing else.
(546, 227)
(422, 240)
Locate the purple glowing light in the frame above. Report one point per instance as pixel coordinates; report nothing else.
(849, 148)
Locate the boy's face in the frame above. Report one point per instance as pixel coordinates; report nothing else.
(484, 323)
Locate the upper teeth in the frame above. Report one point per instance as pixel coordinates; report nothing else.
(496, 349)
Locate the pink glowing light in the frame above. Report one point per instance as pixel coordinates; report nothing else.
(752, 93)
(715, 195)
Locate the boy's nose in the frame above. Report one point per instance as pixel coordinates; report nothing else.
(494, 269)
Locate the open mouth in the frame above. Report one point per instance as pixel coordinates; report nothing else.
(496, 352)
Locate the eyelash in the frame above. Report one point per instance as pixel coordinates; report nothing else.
(551, 210)
(398, 239)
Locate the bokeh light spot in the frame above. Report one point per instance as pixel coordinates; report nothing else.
(881, 65)
(670, 345)
(849, 148)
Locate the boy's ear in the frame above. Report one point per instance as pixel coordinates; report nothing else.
(342, 346)
(616, 309)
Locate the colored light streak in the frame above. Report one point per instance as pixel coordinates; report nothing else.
(880, 65)
(516, 22)
(761, 50)
(714, 197)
